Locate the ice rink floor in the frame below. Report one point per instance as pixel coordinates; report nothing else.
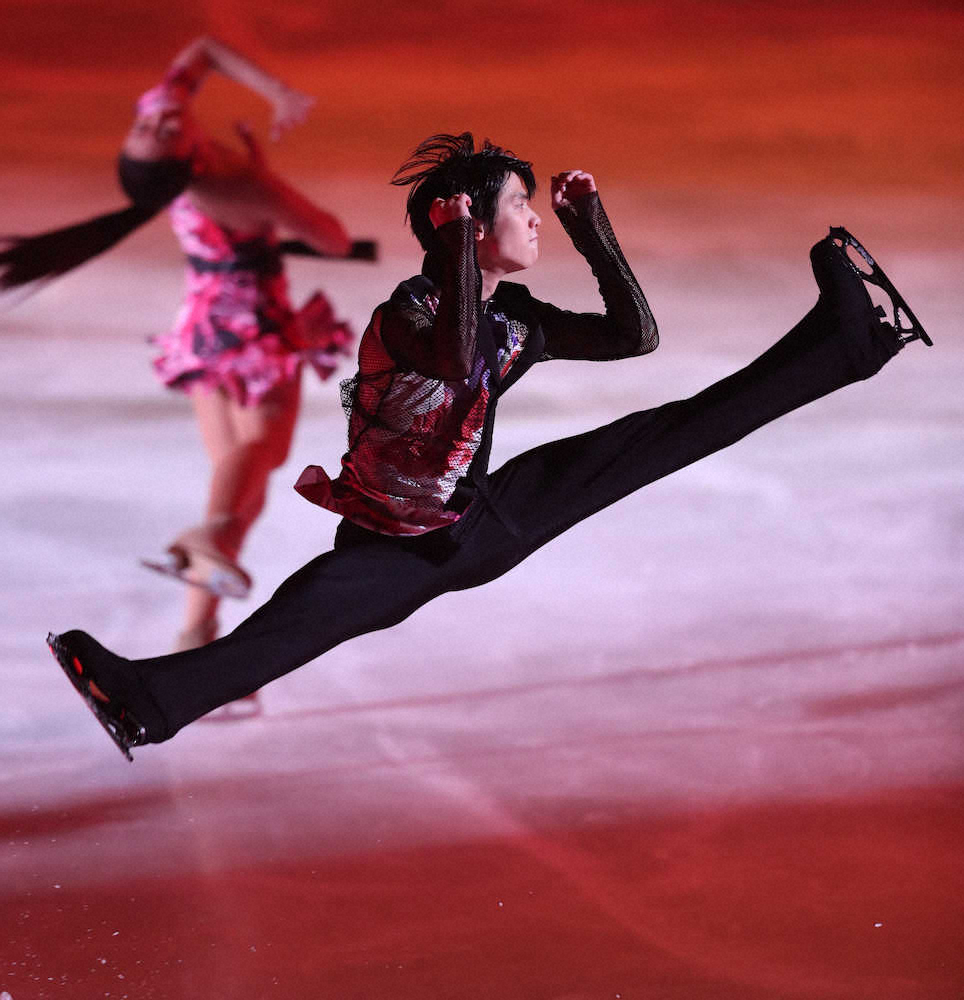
(706, 745)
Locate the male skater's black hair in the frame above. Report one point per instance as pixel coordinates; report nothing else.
(26, 262)
(445, 165)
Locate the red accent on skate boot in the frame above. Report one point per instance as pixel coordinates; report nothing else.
(78, 666)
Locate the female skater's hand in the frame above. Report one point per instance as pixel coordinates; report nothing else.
(446, 209)
(568, 186)
(291, 108)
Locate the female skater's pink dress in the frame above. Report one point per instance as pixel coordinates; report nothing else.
(236, 330)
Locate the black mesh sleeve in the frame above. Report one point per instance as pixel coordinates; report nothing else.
(627, 327)
(441, 346)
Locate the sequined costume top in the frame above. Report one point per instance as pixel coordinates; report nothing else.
(434, 361)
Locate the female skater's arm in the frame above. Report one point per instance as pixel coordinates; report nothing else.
(290, 210)
(304, 220)
(627, 328)
(204, 54)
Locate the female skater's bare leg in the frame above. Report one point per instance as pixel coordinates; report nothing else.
(263, 436)
(244, 444)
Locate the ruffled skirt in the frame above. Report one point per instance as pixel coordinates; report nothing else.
(238, 333)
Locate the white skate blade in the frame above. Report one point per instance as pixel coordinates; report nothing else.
(222, 581)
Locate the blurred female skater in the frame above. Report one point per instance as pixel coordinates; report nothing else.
(237, 345)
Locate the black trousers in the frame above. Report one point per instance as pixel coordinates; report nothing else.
(371, 581)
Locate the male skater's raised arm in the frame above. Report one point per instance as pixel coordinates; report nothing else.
(627, 327)
(437, 337)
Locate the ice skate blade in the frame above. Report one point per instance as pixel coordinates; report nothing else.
(875, 276)
(220, 581)
(123, 729)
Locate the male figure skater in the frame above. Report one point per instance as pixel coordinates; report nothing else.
(422, 515)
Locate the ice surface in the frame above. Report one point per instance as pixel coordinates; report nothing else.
(706, 745)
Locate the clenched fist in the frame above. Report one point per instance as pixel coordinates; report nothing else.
(569, 185)
(446, 209)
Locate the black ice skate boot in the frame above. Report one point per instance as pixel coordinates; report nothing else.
(871, 273)
(125, 712)
(874, 337)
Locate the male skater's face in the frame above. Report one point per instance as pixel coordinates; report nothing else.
(512, 244)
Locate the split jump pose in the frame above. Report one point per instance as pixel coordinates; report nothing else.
(237, 346)
(422, 513)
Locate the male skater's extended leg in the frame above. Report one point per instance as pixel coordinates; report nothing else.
(367, 582)
(841, 340)
(370, 581)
